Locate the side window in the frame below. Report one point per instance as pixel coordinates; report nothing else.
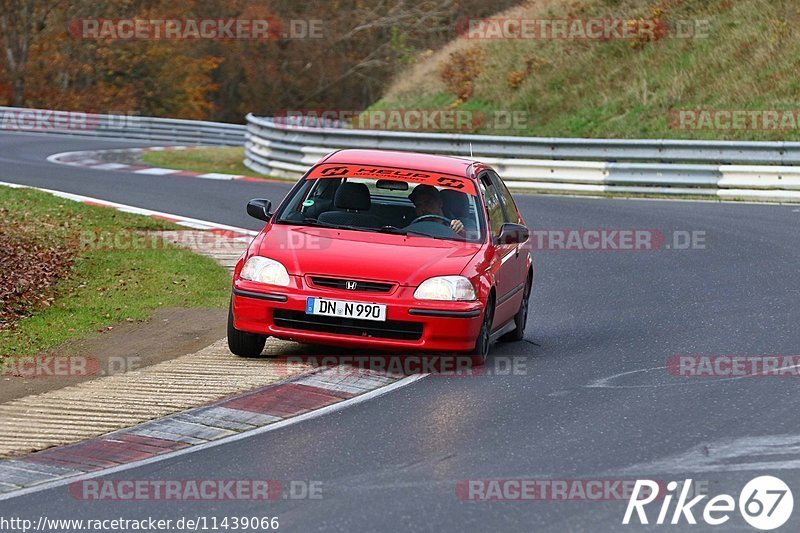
(318, 199)
(494, 206)
(509, 207)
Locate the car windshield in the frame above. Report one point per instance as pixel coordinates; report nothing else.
(391, 205)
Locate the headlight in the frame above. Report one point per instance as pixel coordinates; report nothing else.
(265, 270)
(449, 288)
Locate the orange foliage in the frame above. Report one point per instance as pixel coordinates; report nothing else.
(360, 45)
(460, 71)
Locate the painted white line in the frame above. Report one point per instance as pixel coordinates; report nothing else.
(338, 406)
(56, 158)
(216, 176)
(183, 221)
(155, 171)
(194, 225)
(110, 166)
(73, 158)
(606, 383)
(737, 454)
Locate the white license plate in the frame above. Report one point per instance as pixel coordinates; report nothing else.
(340, 308)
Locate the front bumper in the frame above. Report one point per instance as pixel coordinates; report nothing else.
(411, 324)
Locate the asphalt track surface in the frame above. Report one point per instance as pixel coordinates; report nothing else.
(594, 400)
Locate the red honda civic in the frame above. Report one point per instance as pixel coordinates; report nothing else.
(386, 250)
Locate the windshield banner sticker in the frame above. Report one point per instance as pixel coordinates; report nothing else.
(412, 176)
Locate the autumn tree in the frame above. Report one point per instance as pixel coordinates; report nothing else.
(66, 70)
(363, 43)
(21, 22)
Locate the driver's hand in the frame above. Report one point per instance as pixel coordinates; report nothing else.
(457, 226)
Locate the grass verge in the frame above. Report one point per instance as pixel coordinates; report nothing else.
(223, 160)
(103, 285)
(733, 55)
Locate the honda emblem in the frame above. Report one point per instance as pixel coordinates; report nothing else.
(351, 285)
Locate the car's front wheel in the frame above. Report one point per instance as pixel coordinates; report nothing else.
(521, 318)
(242, 343)
(483, 342)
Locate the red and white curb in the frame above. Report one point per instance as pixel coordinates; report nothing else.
(274, 406)
(89, 159)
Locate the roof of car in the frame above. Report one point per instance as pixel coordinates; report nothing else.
(409, 160)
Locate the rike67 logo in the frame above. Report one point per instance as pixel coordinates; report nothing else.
(765, 503)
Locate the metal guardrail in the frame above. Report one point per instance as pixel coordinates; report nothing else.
(491, 146)
(121, 127)
(724, 169)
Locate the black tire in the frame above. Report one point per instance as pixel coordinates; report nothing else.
(482, 343)
(242, 343)
(521, 318)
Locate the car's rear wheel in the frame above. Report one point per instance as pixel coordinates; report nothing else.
(242, 343)
(483, 342)
(521, 318)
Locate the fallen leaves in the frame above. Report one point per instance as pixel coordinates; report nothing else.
(28, 270)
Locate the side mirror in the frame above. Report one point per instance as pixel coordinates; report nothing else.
(259, 208)
(513, 234)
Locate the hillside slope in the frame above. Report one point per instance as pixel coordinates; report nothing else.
(745, 55)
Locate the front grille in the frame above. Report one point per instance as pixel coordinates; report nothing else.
(391, 329)
(363, 286)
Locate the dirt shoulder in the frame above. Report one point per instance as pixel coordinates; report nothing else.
(170, 333)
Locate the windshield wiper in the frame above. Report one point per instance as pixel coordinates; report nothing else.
(317, 223)
(398, 231)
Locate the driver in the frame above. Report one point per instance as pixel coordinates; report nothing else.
(427, 201)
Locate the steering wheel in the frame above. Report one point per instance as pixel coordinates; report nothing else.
(431, 217)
